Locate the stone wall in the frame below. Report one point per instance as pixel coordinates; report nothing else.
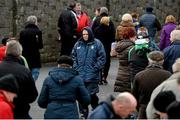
(14, 13)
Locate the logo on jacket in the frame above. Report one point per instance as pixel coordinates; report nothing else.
(78, 47)
(92, 47)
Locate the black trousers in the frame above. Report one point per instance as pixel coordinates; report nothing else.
(67, 44)
(105, 70)
(94, 103)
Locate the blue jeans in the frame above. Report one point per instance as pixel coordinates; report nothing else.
(35, 73)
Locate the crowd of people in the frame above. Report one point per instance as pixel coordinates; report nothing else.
(147, 82)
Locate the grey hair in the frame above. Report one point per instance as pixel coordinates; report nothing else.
(175, 35)
(155, 62)
(176, 66)
(32, 19)
(13, 47)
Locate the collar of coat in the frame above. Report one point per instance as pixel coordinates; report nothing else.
(155, 65)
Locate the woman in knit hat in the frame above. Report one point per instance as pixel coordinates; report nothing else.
(8, 91)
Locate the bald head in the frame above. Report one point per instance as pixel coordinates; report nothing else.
(124, 104)
(127, 98)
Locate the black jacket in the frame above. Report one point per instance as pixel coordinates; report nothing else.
(31, 41)
(106, 34)
(97, 21)
(27, 89)
(67, 23)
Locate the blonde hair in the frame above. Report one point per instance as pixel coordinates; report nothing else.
(170, 19)
(175, 35)
(105, 20)
(176, 66)
(127, 17)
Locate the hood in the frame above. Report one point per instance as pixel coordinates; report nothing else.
(90, 33)
(61, 75)
(108, 101)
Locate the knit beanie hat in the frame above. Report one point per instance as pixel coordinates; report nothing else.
(9, 83)
(65, 60)
(156, 56)
(163, 99)
(104, 10)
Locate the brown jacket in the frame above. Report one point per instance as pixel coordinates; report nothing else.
(145, 82)
(122, 82)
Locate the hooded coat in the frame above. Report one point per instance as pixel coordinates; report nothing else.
(89, 57)
(59, 93)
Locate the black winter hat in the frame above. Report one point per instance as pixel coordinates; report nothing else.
(65, 60)
(9, 83)
(149, 9)
(163, 99)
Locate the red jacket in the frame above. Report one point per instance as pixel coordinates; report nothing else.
(2, 52)
(6, 108)
(83, 21)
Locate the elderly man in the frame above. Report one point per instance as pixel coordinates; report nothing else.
(171, 53)
(147, 80)
(27, 89)
(115, 108)
(171, 84)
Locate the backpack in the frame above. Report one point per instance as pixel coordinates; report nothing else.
(141, 48)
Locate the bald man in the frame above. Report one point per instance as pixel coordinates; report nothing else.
(115, 108)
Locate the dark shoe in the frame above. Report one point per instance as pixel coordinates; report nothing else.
(101, 82)
(105, 82)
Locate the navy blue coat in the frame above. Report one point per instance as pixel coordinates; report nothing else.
(89, 58)
(59, 93)
(104, 110)
(150, 21)
(171, 53)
